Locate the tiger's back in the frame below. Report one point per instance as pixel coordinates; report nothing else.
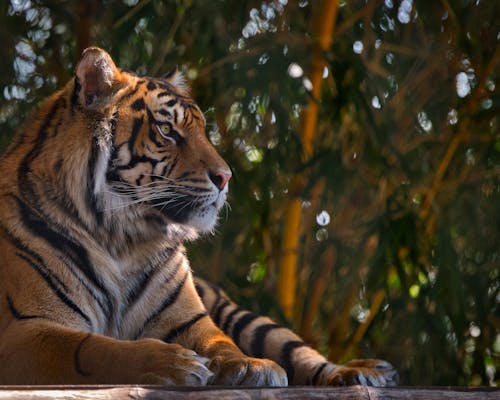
(99, 191)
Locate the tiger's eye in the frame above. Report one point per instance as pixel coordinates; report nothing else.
(169, 134)
(164, 130)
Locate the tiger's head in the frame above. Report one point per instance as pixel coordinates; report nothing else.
(152, 156)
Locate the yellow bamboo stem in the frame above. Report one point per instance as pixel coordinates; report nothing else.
(376, 303)
(327, 263)
(324, 21)
(288, 274)
(438, 177)
(325, 25)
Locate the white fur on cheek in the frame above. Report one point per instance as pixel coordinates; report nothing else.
(103, 136)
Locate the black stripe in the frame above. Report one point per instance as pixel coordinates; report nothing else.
(171, 167)
(216, 291)
(196, 189)
(200, 290)
(318, 373)
(138, 105)
(90, 198)
(230, 318)
(170, 103)
(74, 96)
(170, 73)
(217, 311)
(136, 127)
(192, 180)
(176, 332)
(185, 175)
(76, 357)
(25, 185)
(241, 324)
(63, 242)
(286, 356)
(135, 159)
(60, 118)
(16, 314)
(164, 112)
(41, 263)
(17, 243)
(259, 337)
(148, 275)
(153, 136)
(151, 85)
(111, 175)
(48, 275)
(127, 95)
(165, 85)
(169, 300)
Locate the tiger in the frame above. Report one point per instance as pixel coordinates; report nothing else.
(99, 192)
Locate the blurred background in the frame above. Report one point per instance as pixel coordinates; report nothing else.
(364, 141)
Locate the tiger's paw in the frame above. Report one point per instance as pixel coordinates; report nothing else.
(369, 372)
(247, 371)
(172, 364)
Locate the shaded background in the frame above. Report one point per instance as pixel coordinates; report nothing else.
(396, 195)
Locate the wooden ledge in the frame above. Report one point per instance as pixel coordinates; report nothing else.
(224, 393)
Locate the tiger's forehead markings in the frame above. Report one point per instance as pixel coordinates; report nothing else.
(151, 85)
(166, 105)
(180, 111)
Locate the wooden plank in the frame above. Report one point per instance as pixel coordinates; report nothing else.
(224, 393)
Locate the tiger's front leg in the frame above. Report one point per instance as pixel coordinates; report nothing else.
(187, 323)
(37, 351)
(230, 365)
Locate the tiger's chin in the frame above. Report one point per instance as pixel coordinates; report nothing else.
(201, 217)
(198, 221)
(204, 219)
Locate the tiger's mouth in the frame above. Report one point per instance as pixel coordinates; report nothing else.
(199, 212)
(195, 207)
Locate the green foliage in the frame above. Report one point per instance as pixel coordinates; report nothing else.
(404, 183)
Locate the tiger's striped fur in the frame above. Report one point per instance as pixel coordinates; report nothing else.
(99, 191)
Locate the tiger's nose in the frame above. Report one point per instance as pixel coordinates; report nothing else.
(220, 178)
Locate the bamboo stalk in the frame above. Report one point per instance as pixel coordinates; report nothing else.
(327, 264)
(288, 269)
(85, 12)
(438, 177)
(376, 303)
(287, 283)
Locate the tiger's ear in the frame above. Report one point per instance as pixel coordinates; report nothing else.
(98, 76)
(178, 80)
